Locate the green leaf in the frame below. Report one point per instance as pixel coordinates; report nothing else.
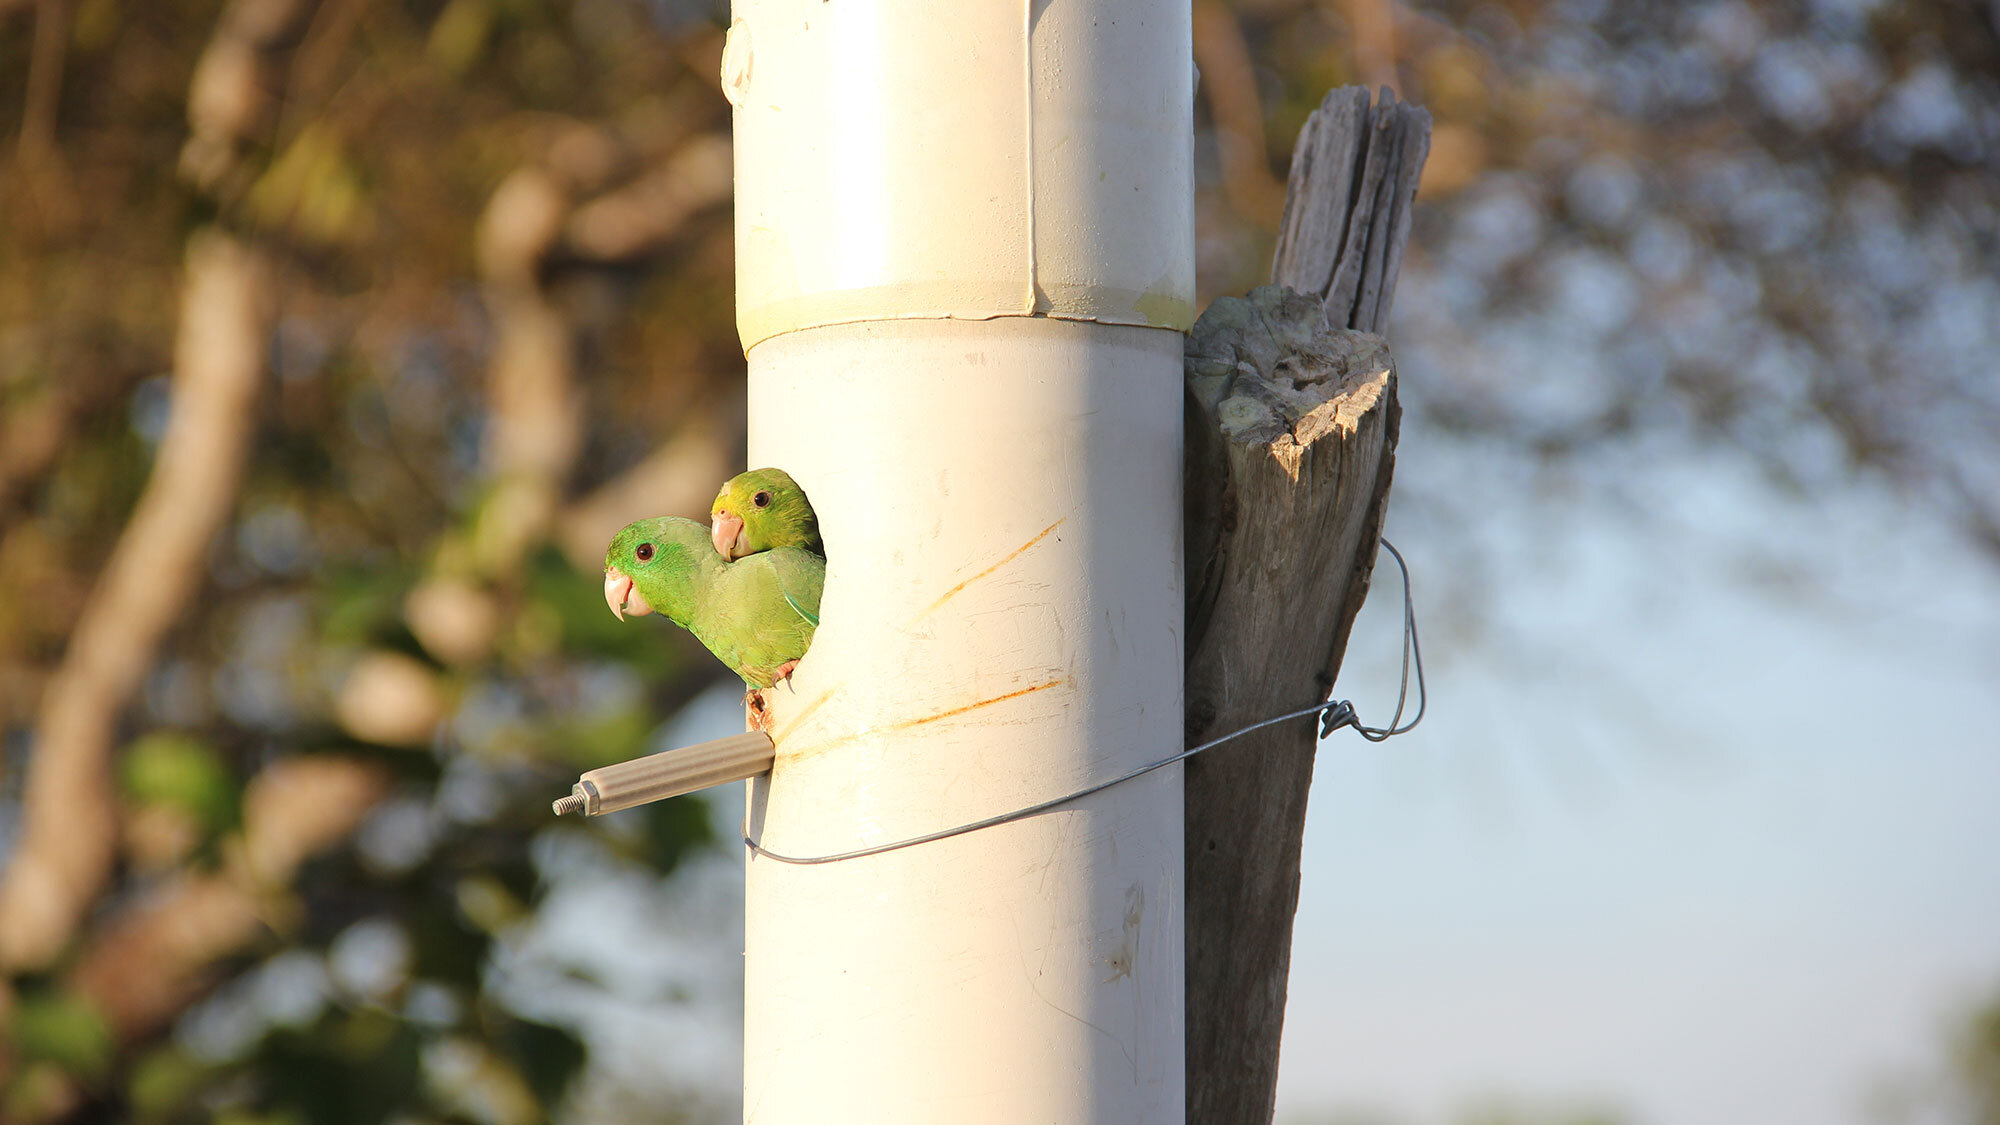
(548, 1057)
(182, 771)
(64, 1029)
(164, 1081)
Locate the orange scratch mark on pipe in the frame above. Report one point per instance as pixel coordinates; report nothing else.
(922, 719)
(1011, 556)
(905, 724)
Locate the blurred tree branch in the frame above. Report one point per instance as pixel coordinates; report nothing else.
(69, 831)
(144, 964)
(536, 426)
(342, 151)
(1372, 27)
(45, 76)
(1229, 82)
(31, 435)
(640, 217)
(40, 183)
(677, 479)
(230, 97)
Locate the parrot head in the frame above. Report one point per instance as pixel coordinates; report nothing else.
(648, 554)
(762, 510)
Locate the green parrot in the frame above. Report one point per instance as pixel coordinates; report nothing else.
(756, 615)
(763, 510)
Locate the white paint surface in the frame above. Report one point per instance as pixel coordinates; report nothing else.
(1001, 508)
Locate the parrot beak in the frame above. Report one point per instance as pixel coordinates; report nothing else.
(621, 597)
(725, 528)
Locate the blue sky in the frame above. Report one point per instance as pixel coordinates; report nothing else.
(1675, 837)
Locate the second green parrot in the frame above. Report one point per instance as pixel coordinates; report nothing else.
(763, 510)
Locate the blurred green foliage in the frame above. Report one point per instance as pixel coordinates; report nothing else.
(62, 1029)
(371, 140)
(183, 773)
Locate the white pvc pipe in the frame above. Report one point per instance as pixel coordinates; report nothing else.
(964, 251)
(902, 159)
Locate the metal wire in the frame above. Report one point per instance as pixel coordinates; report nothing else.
(1342, 714)
(1337, 714)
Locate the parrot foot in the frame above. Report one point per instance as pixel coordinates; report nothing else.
(756, 712)
(784, 674)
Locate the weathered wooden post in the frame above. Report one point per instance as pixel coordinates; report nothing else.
(964, 253)
(1291, 443)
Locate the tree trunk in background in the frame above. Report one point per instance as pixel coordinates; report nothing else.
(1291, 439)
(69, 830)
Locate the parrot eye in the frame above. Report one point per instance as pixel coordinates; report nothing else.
(644, 553)
(762, 499)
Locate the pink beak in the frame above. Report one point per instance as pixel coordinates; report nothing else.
(621, 597)
(725, 529)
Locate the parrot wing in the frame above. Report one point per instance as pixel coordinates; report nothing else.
(760, 612)
(802, 578)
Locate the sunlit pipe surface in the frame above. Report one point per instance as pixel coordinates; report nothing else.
(1001, 624)
(910, 159)
(964, 243)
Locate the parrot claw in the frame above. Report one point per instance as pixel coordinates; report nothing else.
(784, 675)
(756, 713)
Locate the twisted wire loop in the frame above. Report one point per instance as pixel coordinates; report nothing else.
(1334, 714)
